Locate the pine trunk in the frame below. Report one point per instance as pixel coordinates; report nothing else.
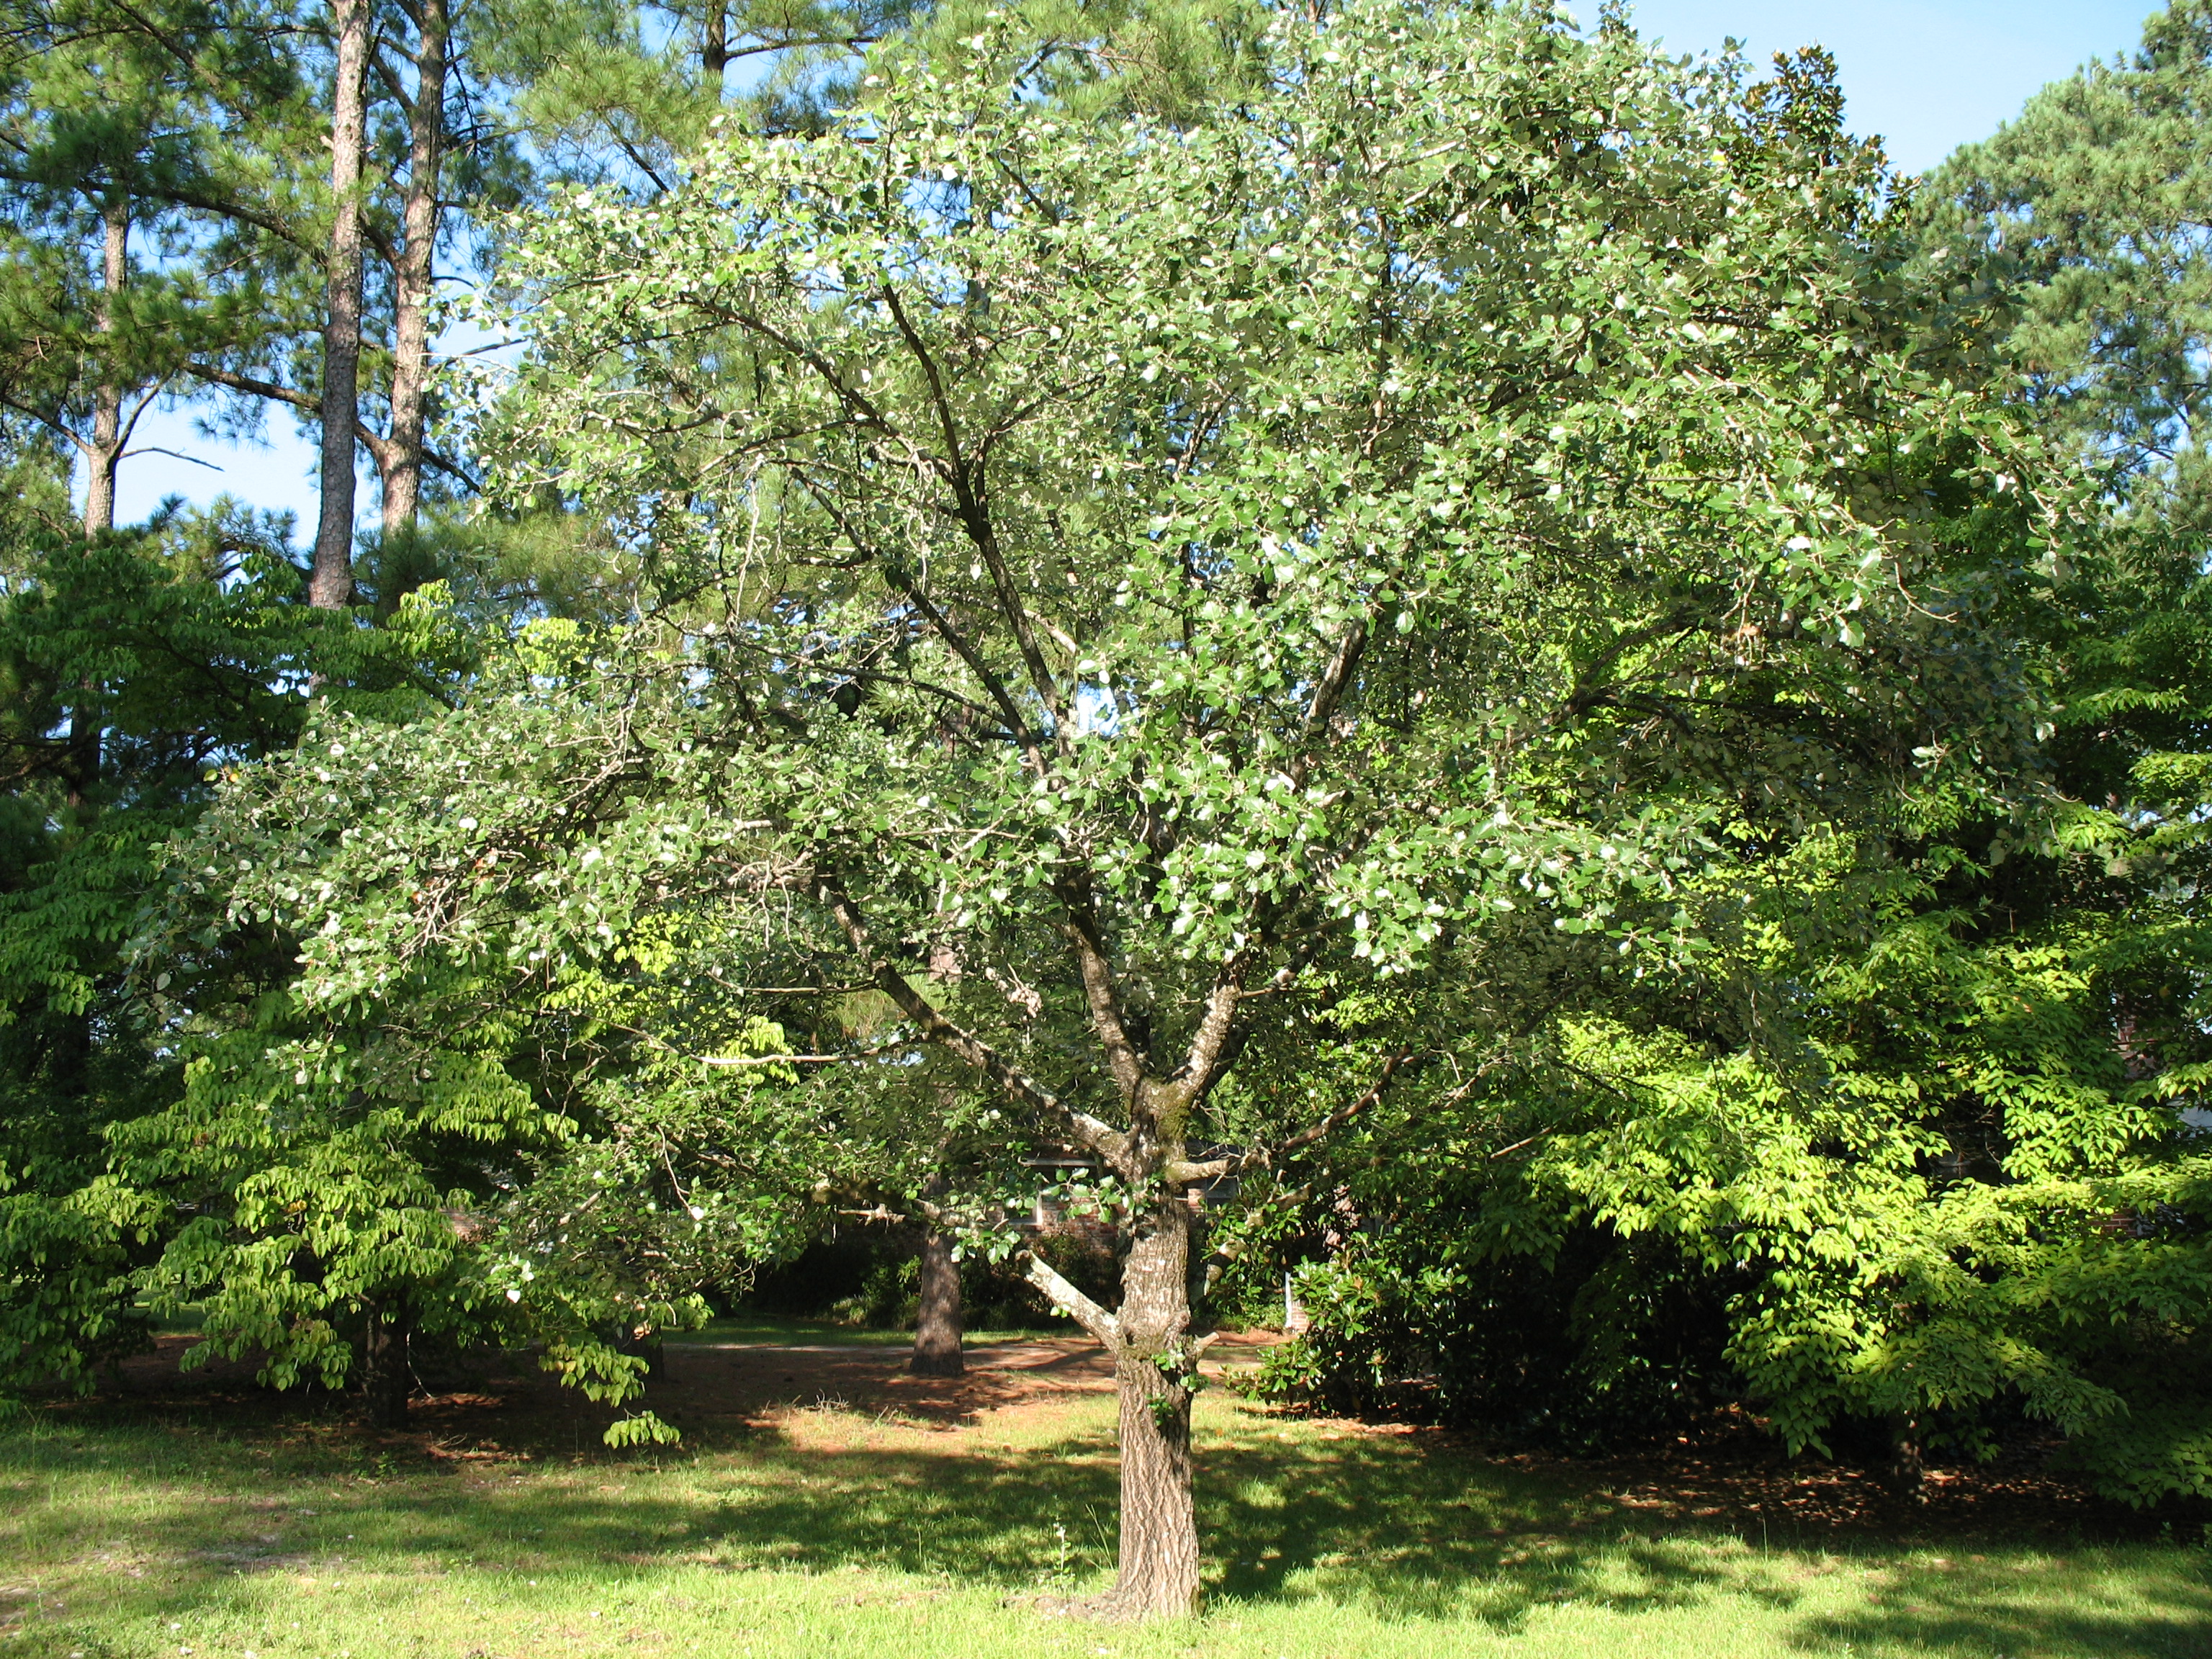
(401, 460)
(106, 450)
(1159, 1575)
(388, 1374)
(937, 1327)
(101, 457)
(715, 53)
(330, 584)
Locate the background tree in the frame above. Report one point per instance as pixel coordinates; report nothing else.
(555, 1135)
(176, 648)
(2093, 203)
(2010, 1005)
(209, 122)
(103, 132)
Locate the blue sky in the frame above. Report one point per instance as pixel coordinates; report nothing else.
(1927, 74)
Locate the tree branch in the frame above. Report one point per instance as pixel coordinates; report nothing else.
(1064, 1297)
(247, 383)
(975, 519)
(1089, 1132)
(1210, 1041)
(1328, 695)
(437, 462)
(1343, 1114)
(1083, 932)
(184, 196)
(45, 421)
(940, 623)
(382, 449)
(1214, 1169)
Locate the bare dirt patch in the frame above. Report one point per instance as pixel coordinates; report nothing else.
(499, 1405)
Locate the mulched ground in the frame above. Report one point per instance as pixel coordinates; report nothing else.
(1749, 1488)
(1730, 1476)
(710, 1389)
(724, 1381)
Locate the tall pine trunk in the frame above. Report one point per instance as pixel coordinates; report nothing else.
(101, 457)
(715, 50)
(104, 451)
(937, 1327)
(400, 461)
(1153, 1374)
(330, 584)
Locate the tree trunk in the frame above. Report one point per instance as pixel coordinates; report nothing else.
(1153, 1374)
(715, 53)
(330, 584)
(936, 1328)
(401, 461)
(624, 1339)
(106, 450)
(101, 457)
(1907, 1475)
(388, 1374)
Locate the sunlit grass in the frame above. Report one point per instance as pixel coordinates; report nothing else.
(838, 1533)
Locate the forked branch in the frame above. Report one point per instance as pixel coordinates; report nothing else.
(1214, 1169)
(975, 518)
(1084, 1129)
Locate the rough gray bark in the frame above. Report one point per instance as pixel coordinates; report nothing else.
(102, 454)
(400, 460)
(330, 584)
(1153, 1370)
(937, 1327)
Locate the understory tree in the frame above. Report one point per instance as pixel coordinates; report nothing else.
(1175, 640)
(1937, 1191)
(136, 667)
(507, 1151)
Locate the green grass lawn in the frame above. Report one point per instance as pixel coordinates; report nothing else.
(831, 1533)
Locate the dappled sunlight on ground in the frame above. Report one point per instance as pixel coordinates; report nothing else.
(823, 1497)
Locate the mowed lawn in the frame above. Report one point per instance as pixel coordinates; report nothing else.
(832, 1528)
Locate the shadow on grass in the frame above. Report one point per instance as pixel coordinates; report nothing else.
(1944, 1611)
(1402, 1527)
(1415, 1532)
